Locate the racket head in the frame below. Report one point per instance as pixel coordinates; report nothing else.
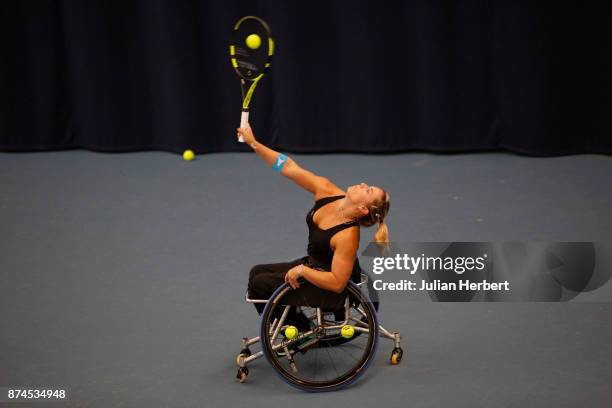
(251, 63)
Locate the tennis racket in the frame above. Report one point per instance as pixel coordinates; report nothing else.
(251, 53)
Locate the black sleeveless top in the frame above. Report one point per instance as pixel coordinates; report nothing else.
(320, 253)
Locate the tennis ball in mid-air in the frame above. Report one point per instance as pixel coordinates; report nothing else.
(291, 332)
(347, 331)
(253, 41)
(188, 155)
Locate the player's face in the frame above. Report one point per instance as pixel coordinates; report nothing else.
(363, 194)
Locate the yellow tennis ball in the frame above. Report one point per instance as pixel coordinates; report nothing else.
(253, 41)
(188, 155)
(347, 331)
(291, 332)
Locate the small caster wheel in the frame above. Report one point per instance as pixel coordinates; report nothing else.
(396, 355)
(244, 353)
(242, 375)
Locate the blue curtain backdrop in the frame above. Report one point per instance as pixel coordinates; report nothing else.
(355, 76)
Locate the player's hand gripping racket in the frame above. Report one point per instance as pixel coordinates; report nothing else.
(251, 52)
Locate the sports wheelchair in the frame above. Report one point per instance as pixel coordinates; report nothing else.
(318, 340)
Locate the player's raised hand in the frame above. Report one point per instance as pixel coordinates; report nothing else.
(247, 134)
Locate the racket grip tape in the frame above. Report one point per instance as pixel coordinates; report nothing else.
(244, 120)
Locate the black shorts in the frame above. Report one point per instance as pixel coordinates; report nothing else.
(264, 279)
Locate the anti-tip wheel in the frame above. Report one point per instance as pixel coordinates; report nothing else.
(242, 374)
(396, 355)
(244, 353)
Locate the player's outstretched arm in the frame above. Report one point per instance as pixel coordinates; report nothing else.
(319, 186)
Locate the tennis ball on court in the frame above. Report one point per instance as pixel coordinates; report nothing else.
(253, 41)
(188, 155)
(291, 332)
(347, 331)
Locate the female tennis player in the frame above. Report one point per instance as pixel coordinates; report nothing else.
(333, 224)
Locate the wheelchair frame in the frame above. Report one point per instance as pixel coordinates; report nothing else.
(245, 356)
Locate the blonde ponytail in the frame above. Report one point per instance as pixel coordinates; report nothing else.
(382, 234)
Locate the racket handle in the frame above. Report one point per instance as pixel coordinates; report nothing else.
(244, 120)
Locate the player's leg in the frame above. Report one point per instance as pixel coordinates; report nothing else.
(264, 279)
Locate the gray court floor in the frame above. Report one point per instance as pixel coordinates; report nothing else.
(122, 278)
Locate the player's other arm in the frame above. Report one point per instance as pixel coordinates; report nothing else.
(319, 186)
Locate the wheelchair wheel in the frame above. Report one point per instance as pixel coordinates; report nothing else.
(319, 358)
